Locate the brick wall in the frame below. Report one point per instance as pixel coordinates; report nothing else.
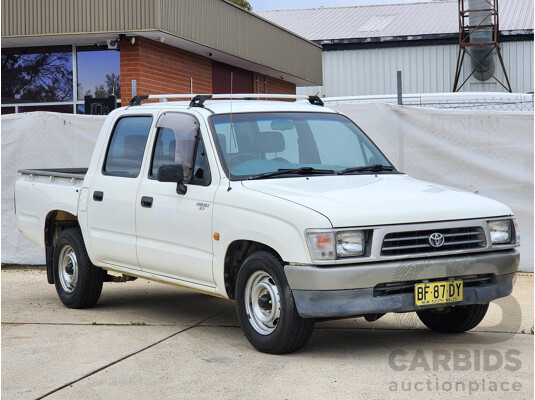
(274, 86)
(159, 69)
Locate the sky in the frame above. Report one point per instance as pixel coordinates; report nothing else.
(259, 5)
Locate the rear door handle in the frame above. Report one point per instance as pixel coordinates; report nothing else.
(146, 202)
(98, 196)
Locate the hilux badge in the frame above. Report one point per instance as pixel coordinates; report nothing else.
(436, 239)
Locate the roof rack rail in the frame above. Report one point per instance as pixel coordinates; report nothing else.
(197, 100)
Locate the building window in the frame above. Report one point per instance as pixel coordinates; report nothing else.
(42, 78)
(37, 75)
(98, 72)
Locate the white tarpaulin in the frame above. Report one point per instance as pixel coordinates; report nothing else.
(484, 152)
(489, 153)
(33, 141)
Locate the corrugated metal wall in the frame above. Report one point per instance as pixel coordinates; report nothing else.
(218, 25)
(426, 69)
(48, 17)
(213, 23)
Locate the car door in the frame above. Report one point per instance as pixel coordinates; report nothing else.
(174, 231)
(111, 204)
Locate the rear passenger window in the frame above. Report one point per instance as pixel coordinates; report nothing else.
(128, 141)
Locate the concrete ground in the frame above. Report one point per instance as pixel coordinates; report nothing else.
(146, 340)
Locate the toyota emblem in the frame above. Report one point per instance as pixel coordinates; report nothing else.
(436, 239)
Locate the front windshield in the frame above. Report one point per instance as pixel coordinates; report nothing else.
(261, 143)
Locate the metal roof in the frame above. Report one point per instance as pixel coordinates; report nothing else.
(409, 19)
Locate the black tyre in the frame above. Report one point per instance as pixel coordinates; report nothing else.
(454, 319)
(78, 282)
(266, 307)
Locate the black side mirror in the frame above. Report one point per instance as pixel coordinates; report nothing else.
(173, 173)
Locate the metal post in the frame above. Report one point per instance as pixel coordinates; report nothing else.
(74, 79)
(134, 88)
(400, 90)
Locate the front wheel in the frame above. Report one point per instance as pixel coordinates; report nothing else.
(454, 319)
(266, 307)
(78, 281)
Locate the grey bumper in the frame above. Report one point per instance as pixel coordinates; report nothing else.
(352, 290)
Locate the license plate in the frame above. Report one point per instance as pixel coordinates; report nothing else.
(438, 292)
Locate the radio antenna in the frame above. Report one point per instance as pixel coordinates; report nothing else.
(230, 138)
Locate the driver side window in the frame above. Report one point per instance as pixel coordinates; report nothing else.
(178, 142)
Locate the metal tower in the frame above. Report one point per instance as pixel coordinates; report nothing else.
(478, 38)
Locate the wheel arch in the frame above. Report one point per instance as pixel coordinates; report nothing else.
(236, 253)
(55, 222)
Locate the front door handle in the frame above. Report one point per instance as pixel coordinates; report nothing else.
(146, 202)
(98, 196)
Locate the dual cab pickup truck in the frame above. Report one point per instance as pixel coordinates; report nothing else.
(288, 208)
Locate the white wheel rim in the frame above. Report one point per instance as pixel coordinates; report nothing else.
(262, 302)
(68, 269)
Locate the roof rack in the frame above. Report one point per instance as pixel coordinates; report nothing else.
(197, 100)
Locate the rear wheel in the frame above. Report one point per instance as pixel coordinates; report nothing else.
(78, 281)
(454, 319)
(266, 307)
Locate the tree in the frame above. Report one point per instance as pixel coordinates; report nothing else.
(113, 84)
(100, 91)
(37, 77)
(243, 4)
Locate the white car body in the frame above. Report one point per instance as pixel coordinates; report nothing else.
(185, 239)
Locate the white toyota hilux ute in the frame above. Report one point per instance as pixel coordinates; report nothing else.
(286, 207)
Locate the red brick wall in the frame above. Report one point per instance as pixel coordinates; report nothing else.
(160, 69)
(274, 85)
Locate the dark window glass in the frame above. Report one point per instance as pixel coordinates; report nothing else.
(37, 74)
(64, 108)
(201, 170)
(98, 72)
(8, 110)
(125, 152)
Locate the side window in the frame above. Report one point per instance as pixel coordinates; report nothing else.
(176, 143)
(127, 145)
(201, 170)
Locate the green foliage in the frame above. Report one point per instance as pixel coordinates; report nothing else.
(243, 4)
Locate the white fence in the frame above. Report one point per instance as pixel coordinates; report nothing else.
(490, 153)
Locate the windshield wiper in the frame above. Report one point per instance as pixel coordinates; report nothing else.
(367, 168)
(295, 171)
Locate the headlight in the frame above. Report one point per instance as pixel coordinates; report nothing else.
(350, 243)
(500, 231)
(321, 245)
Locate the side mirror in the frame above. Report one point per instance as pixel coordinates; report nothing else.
(173, 173)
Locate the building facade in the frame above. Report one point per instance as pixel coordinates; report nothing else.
(365, 46)
(56, 52)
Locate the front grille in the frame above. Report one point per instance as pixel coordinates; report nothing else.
(416, 242)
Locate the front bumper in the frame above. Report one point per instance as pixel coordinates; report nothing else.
(321, 292)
